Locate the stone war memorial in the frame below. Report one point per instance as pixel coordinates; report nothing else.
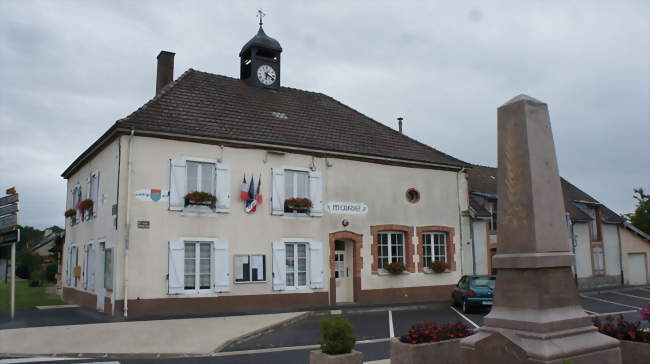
(536, 317)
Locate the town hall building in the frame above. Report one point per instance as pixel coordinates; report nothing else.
(239, 194)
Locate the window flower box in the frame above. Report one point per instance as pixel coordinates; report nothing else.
(85, 205)
(70, 213)
(198, 198)
(299, 205)
(395, 268)
(428, 343)
(439, 266)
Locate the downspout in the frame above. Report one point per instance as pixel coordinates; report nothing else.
(471, 236)
(620, 253)
(128, 228)
(460, 217)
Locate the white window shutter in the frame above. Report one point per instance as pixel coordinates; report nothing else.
(68, 274)
(222, 177)
(277, 199)
(96, 197)
(279, 266)
(87, 212)
(176, 267)
(316, 264)
(316, 192)
(177, 184)
(90, 268)
(221, 267)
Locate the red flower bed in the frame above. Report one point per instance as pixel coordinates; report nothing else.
(86, 204)
(621, 329)
(395, 268)
(200, 198)
(70, 212)
(427, 332)
(297, 203)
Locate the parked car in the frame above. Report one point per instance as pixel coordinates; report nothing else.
(474, 291)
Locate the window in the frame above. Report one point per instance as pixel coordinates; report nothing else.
(296, 265)
(108, 269)
(89, 278)
(390, 248)
(296, 184)
(593, 226)
(435, 247)
(198, 266)
(200, 177)
(93, 193)
(492, 207)
(412, 195)
(76, 199)
(599, 264)
(250, 268)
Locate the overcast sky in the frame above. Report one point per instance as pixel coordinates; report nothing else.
(70, 69)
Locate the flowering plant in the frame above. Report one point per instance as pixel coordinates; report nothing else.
(621, 329)
(297, 203)
(85, 205)
(427, 332)
(395, 268)
(645, 313)
(70, 212)
(439, 266)
(200, 198)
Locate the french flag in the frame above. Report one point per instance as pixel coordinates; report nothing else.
(244, 191)
(251, 202)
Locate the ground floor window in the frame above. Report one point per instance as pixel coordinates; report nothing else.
(599, 261)
(198, 266)
(250, 268)
(296, 265)
(390, 248)
(435, 247)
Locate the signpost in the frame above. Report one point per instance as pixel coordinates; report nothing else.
(10, 235)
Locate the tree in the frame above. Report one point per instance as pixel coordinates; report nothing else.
(641, 217)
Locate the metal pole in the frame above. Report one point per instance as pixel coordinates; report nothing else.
(13, 280)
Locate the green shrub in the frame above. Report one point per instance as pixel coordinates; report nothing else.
(50, 272)
(35, 278)
(337, 336)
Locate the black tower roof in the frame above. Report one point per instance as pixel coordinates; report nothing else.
(261, 40)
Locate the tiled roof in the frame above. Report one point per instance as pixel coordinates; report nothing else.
(204, 104)
(483, 180)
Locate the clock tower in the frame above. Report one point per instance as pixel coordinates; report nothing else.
(260, 61)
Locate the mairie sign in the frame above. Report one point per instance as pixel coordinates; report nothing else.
(347, 208)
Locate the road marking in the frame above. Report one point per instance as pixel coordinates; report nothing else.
(391, 329)
(36, 359)
(464, 317)
(631, 295)
(590, 312)
(606, 301)
(288, 348)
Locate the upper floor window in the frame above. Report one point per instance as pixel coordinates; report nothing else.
(390, 248)
(76, 199)
(296, 191)
(205, 176)
(435, 248)
(492, 207)
(594, 225)
(93, 194)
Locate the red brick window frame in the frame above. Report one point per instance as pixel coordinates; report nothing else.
(408, 245)
(451, 248)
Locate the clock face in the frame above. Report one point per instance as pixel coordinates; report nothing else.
(266, 74)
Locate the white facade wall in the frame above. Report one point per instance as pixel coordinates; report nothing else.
(583, 250)
(612, 250)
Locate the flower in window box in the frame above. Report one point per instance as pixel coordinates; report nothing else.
(298, 204)
(439, 266)
(85, 205)
(201, 199)
(70, 213)
(396, 268)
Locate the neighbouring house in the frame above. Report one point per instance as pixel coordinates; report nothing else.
(224, 194)
(636, 255)
(593, 230)
(53, 237)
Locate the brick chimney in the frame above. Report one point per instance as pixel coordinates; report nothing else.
(165, 73)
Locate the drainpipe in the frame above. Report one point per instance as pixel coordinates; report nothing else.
(460, 217)
(471, 236)
(620, 253)
(128, 229)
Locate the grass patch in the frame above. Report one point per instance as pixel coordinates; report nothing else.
(27, 298)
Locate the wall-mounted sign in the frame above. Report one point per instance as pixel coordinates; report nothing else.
(347, 208)
(152, 195)
(143, 224)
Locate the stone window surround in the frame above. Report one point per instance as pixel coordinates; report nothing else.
(408, 245)
(451, 248)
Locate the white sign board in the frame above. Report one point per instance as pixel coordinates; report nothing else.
(347, 208)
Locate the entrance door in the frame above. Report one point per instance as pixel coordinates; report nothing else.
(638, 269)
(100, 289)
(343, 271)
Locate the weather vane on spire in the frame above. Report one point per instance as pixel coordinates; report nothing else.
(260, 14)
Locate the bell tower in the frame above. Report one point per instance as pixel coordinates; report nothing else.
(260, 60)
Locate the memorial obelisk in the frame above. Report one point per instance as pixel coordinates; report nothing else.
(536, 316)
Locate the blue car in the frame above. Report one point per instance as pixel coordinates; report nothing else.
(474, 291)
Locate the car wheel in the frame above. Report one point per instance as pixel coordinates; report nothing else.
(465, 307)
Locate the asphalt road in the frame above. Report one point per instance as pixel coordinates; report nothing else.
(286, 344)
